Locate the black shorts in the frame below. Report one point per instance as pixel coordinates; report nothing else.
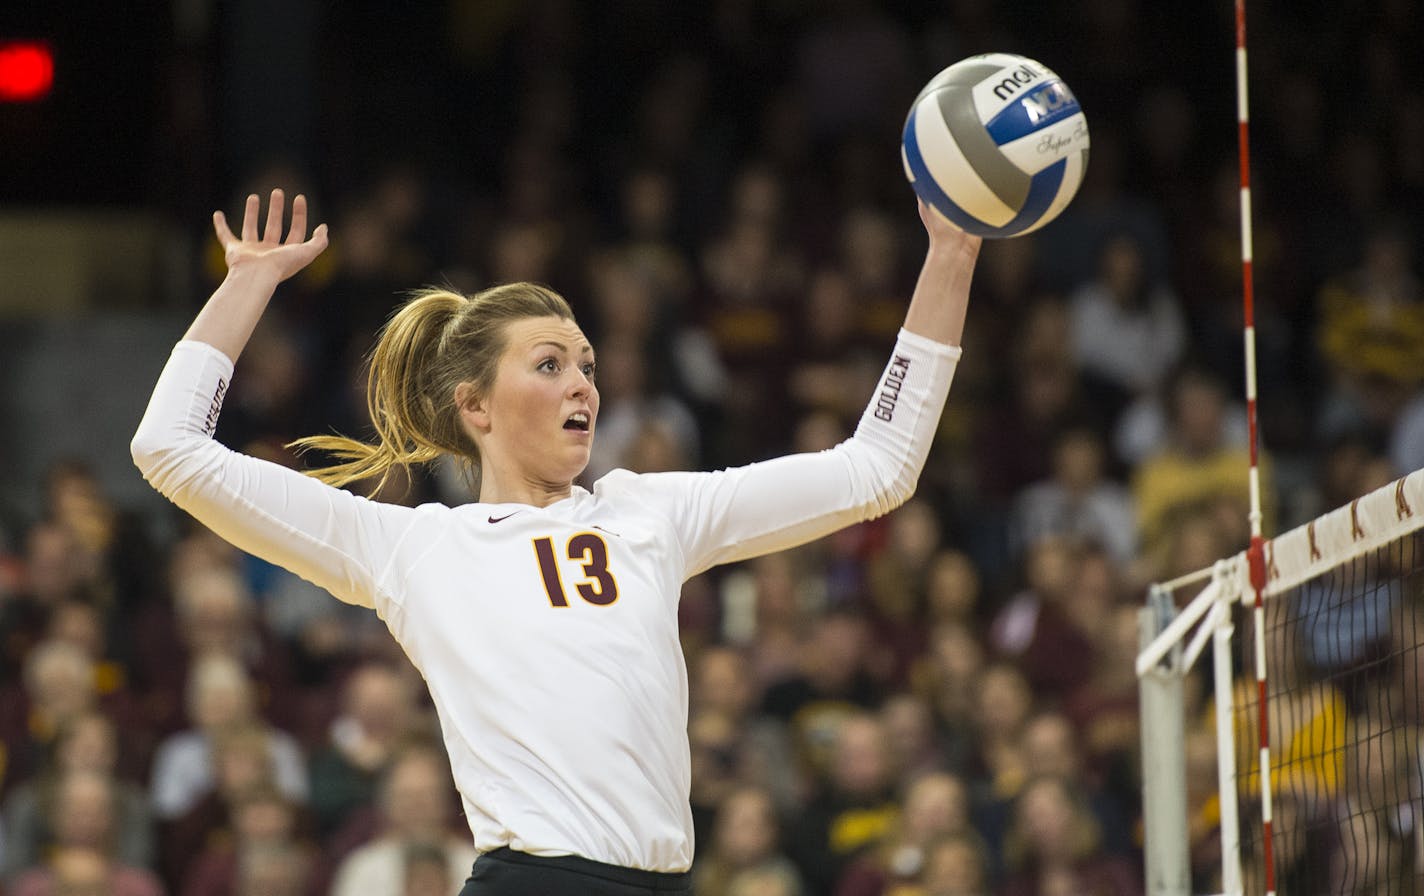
(505, 872)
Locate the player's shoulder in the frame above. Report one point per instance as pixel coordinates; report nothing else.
(655, 492)
(616, 481)
(621, 483)
(622, 489)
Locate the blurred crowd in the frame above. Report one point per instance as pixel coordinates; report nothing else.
(938, 702)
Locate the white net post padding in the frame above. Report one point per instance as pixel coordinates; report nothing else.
(1223, 632)
(1162, 665)
(1164, 781)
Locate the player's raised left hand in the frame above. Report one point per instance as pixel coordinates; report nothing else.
(269, 251)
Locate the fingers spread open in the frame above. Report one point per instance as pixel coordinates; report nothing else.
(249, 217)
(275, 207)
(298, 232)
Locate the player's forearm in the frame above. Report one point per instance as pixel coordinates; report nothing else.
(941, 295)
(230, 315)
(778, 504)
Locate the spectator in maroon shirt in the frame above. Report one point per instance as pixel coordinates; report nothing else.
(1035, 630)
(84, 822)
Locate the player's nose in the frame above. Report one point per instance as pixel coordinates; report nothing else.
(580, 386)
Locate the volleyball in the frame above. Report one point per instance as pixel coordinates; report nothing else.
(997, 144)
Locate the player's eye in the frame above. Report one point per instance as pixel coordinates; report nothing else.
(548, 365)
(590, 370)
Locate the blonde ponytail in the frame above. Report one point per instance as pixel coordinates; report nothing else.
(436, 341)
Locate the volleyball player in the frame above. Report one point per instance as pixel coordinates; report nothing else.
(544, 617)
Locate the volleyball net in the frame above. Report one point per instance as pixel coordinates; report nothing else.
(1331, 665)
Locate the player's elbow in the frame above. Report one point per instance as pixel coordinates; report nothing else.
(886, 480)
(146, 451)
(156, 457)
(897, 491)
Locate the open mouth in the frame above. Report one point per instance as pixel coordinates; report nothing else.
(578, 422)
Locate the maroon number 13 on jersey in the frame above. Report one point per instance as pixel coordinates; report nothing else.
(589, 550)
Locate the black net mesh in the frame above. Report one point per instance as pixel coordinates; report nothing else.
(1345, 713)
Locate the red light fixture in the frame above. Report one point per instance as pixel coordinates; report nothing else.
(26, 71)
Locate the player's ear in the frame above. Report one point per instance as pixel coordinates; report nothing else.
(472, 407)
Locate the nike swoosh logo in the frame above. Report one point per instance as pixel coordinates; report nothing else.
(500, 519)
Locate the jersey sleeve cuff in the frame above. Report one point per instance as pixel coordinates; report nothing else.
(202, 350)
(930, 346)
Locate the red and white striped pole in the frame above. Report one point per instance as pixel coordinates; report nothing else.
(1256, 553)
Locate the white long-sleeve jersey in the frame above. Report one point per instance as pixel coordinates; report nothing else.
(547, 635)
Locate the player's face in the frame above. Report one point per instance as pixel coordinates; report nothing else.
(543, 405)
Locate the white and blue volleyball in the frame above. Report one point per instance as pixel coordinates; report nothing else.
(996, 144)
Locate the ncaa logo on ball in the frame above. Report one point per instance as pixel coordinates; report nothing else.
(997, 144)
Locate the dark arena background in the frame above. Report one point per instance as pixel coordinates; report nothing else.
(938, 702)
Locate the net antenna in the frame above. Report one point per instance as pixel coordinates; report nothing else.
(1162, 662)
(1256, 555)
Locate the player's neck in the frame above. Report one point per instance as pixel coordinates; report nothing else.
(512, 490)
